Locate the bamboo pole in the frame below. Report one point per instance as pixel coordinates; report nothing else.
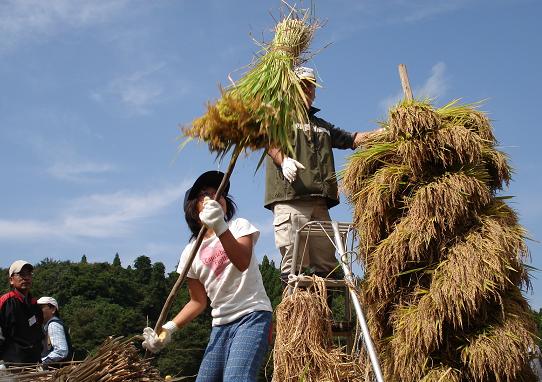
(405, 82)
(197, 244)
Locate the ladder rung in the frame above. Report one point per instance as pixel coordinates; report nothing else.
(320, 228)
(304, 281)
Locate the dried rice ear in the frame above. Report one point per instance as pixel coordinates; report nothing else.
(262, 107)
(303, 344)
(412, 119)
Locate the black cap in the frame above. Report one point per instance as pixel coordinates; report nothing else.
(207, 179)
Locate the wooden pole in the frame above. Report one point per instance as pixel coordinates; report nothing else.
(195, 248)
(405, 82)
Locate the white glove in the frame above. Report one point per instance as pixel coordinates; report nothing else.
(212, 216)
(154, 342)
(289, 168)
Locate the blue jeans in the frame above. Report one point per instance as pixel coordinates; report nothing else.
(236, 350)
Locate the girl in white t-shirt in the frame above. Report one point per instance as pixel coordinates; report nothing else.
(224, 270)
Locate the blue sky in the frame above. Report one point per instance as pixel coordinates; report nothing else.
(92, 94)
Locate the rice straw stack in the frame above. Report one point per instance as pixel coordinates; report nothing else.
(303, 346)
(443, 253)
(117, 359)
(261, 108)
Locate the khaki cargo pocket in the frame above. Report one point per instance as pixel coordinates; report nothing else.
(283, 229)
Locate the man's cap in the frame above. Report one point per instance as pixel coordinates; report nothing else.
(305, 73)
(47, 300)
(207, 179)
(18, 266)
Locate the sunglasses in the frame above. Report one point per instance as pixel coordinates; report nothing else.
(23, 275)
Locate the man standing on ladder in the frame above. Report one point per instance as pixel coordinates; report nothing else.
(303, 189)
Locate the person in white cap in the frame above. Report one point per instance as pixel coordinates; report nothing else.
(57, 343)
(305, 188)
(20, 318)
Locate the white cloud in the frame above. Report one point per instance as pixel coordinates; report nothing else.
(95, 216)
(434, 87)
(367, 14)
(26, 19)
(79, 172)
(24, 229)
(413, 11)
(138, 91)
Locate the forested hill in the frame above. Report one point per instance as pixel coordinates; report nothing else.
(98, 300)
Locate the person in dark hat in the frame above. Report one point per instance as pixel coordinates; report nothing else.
(20, 318)
(226, 272)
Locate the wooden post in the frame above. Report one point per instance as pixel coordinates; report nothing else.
(405, 82)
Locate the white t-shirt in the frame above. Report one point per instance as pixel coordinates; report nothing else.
(233, 293)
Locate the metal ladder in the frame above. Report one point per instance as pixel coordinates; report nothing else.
(339, 234)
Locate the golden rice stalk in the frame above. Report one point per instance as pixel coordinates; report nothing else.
(496, 163)
(261, 108)
(364, 163)
(292, 36)
(442, 373)
(391, 257)
(412, 119)
(469, 117)
(447, 147)
(485, 262)
(501, 350)
(303, 346)
(415, 336)
(443, 205)
(230, 122)
(380, 202)
(436, 209)
(375, 319)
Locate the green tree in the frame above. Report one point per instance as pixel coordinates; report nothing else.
(116, 260)
(271, 280)
(92, 321)
(155, 293)
(143, 269)
(183, 356)
(98, 300)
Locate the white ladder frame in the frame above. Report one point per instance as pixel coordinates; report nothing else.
(338, 234)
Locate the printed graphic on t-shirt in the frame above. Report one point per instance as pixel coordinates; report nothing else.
(214, 257)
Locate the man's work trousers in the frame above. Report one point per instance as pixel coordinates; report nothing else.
(317, 253)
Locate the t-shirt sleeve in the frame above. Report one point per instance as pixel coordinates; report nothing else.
(184, 258)
(242, 227)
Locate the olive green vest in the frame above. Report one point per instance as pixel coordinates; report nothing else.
(313, 149)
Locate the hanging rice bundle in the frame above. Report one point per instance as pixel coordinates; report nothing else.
(303, 345)
(443, 254)
(261, 109)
